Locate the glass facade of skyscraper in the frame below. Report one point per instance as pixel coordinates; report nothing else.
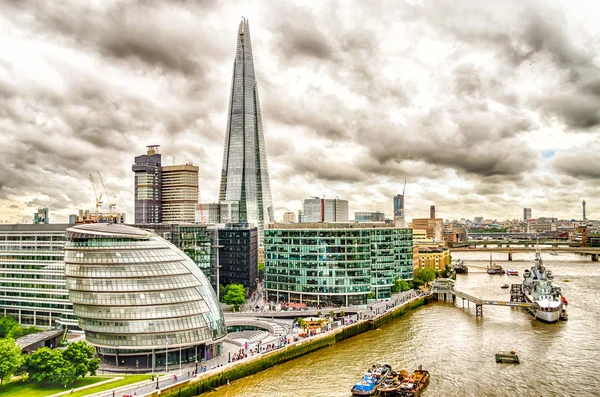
(324, 264)
(245, 175)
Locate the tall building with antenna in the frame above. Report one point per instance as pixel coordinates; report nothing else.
(583, 206)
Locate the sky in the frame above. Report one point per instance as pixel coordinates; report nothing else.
(483, 107)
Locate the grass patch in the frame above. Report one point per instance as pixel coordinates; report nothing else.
(30, 389)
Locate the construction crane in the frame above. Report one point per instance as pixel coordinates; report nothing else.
(97, 197)
(111, 202)
(403, 190)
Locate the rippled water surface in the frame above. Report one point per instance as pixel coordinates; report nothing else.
(560, 359)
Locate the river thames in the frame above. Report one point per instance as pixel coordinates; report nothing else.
(556, 359)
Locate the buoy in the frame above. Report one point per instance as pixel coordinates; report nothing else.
(512, 352)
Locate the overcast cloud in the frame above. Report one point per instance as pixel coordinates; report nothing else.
(484, 107)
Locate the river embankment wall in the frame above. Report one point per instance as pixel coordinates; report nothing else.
(209, 381)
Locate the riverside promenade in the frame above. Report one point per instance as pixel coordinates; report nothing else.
(219, 370)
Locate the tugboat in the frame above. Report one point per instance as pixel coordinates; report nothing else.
(415, 384)
(505, 286)
(391, 386)
(547, 302)
(371, 380)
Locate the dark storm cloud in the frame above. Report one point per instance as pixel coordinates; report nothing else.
(436, 94)
(578, 164)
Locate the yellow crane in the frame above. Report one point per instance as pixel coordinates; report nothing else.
(97, 197)
(111, 201)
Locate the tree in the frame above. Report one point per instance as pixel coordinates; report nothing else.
(371, 295)
(49, 366)
(235, 295)
(426, 275)
(331, 314)
(20, 331)
(222, 292)
(10, 359)
(81, 355)
(6, 325)
(261, 270)
(447, 272)
(404, 286)
(302, 323)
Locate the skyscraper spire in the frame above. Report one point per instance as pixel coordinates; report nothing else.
(245, 176)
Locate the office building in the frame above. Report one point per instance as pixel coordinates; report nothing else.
(324, 210)
(369, 217)
(583, 206)
(434, 227)
(147, 186)
(72, 219)
(238, 256)
(289, 217)
(245, 174)
(335, 263)
(41, 216)
(432, 212)
(478, 220)
(527, 214)
(140, 300)
(194, 239)
(32, 276)
(432, 257)
(222, 212)
(179, 193)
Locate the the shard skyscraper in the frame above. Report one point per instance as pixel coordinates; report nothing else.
(245, 176)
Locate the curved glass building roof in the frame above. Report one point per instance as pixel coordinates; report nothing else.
(134, 291)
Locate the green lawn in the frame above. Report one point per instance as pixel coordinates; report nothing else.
(30, 389)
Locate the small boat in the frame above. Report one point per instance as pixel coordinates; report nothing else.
(512, 272)
(505, 286)
(554, 253)
(566, 280)
(415, 384)
(510, 357)
(371, 380)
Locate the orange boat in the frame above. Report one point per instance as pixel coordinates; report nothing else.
(415, 384)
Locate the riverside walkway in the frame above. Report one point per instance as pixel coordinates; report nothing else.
(443, 288)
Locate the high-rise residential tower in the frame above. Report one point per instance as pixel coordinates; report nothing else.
(245, 176)
(399, 209)
(583, 204)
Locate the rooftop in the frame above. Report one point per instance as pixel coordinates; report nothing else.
(110, 230)
(333, 225)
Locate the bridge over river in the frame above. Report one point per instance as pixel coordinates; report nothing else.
(593, 252)
(444, 288)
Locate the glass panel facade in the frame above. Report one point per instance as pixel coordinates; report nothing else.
(339, 264)
(132, 289)
(245, 175)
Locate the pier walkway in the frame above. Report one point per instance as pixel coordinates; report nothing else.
(444, 287)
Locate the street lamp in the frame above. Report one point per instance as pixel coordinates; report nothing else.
(157, 383)
(196, 367)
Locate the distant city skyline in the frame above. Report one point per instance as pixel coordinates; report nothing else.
(486, 108)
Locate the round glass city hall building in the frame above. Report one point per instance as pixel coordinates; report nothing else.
(138, 297)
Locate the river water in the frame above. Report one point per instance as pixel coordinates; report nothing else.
(561, 359)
